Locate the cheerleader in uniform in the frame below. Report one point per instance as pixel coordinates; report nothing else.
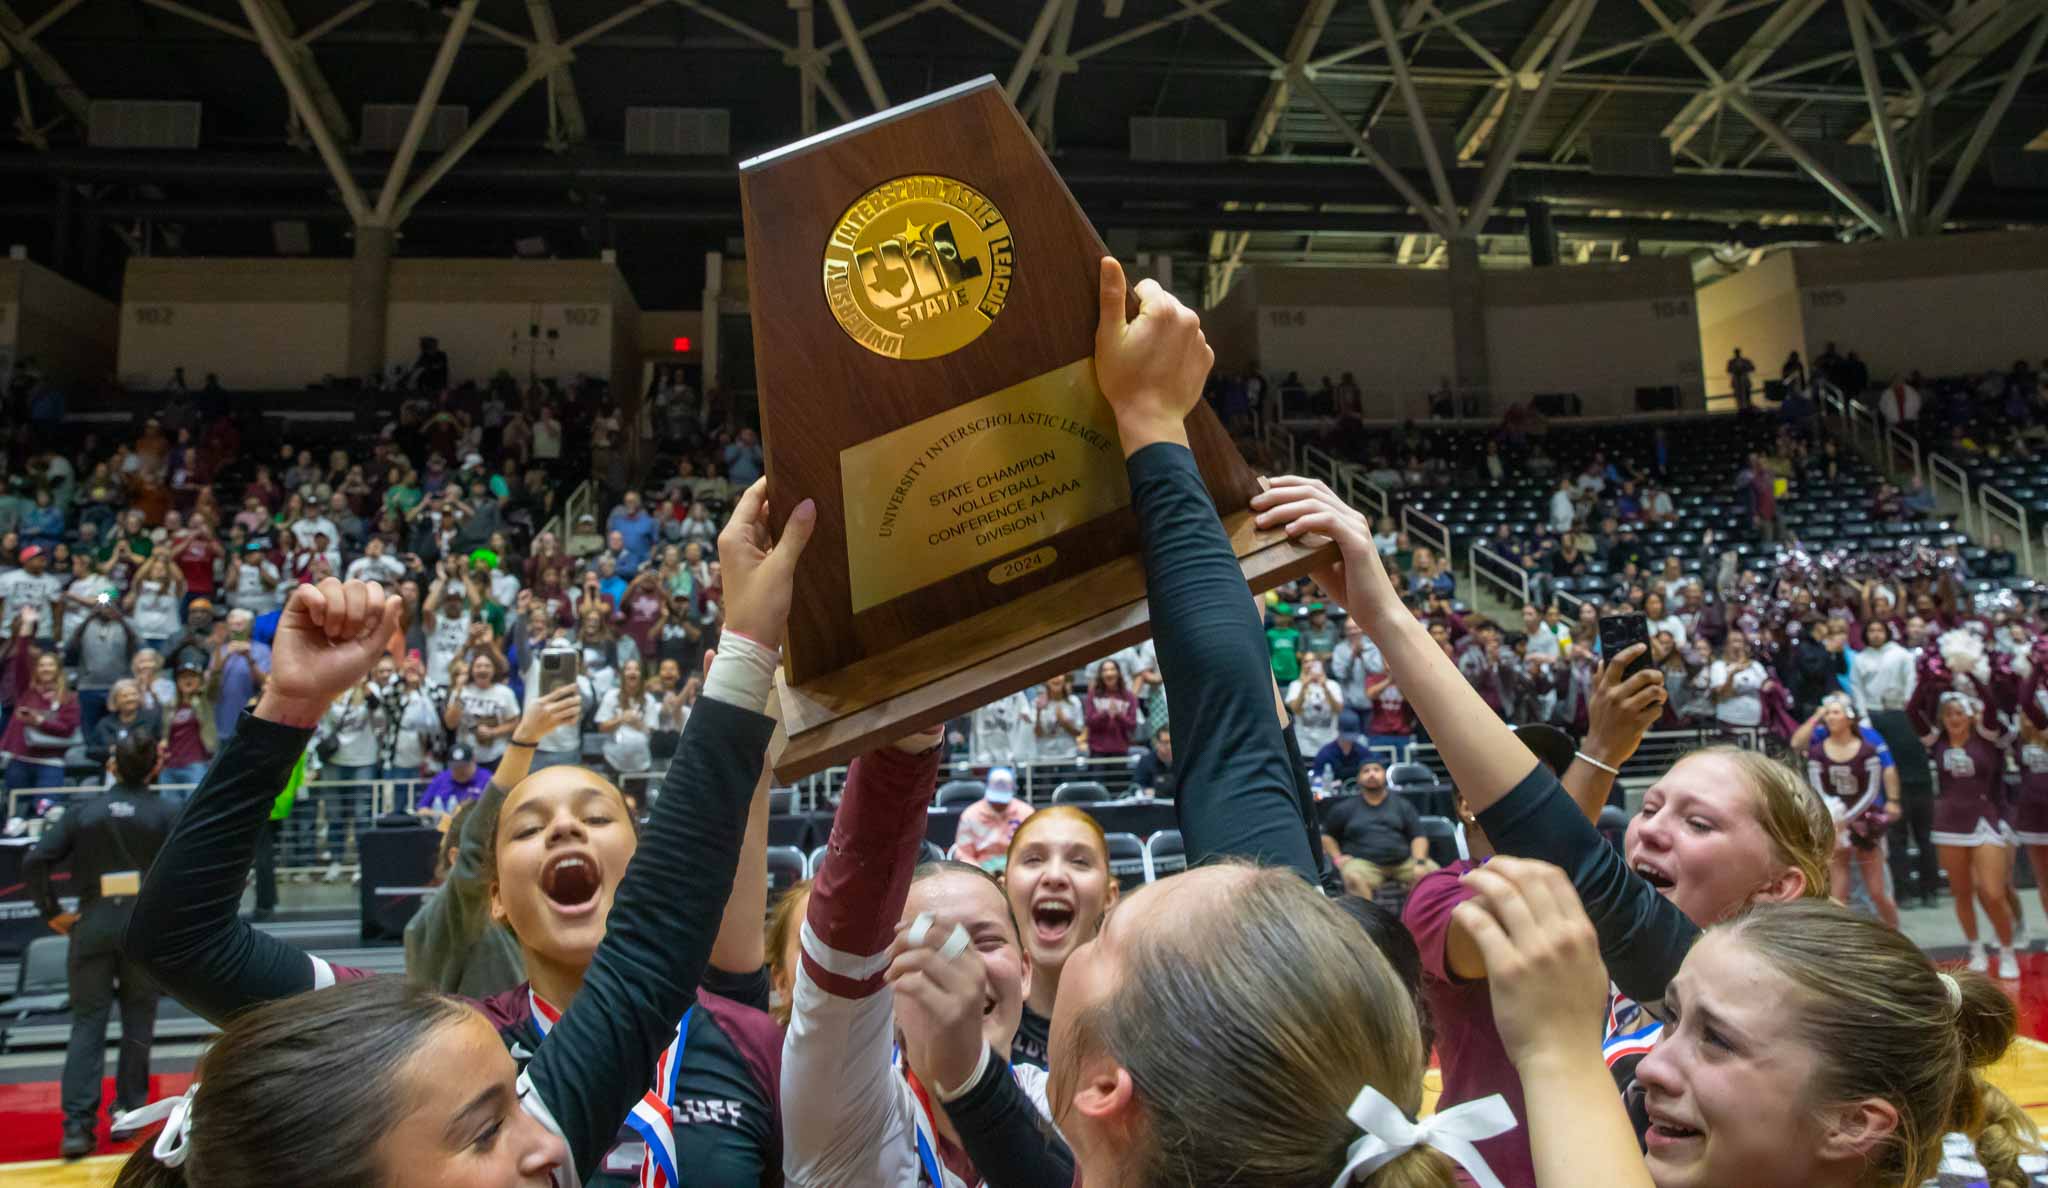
(1970, 832)
(1853, 773)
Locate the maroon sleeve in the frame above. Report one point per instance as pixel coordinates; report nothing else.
(1428, 916)
(877, 836)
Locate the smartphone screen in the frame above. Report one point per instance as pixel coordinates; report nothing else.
(558, 669)
(1618, 632)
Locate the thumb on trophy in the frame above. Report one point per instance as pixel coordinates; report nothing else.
(1110, 326)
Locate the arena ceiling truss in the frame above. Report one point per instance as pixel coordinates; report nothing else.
(1221, 132)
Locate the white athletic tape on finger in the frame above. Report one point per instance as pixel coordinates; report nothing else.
(919, 927)
(955, 945)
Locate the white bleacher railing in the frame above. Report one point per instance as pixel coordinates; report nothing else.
(1996, 505)
(1864, 422)
(1364, 494)
(1423, 528)
(1942, 472)
(1903, 450)
(1492, 568)
(1319, 464)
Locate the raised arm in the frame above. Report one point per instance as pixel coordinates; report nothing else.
(186, 928)
(665, 916)
(1523, 809)
(1621, 710)
(1237, 793)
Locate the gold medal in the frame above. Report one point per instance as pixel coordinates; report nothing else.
(918, 267)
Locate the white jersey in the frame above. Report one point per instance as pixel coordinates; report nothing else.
(849, 1116)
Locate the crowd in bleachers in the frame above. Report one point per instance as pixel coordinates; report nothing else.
(142, 571)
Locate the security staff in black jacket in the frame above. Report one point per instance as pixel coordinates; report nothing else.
(109, 840)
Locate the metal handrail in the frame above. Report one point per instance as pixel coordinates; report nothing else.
(1941, 468)
(1994, 504)
(1510, 577)
(1319, 464)
(1903, 443)
(1364, 494)
(1420, 524)
(1859, 412)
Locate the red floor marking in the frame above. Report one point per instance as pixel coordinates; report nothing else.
(32, 1125)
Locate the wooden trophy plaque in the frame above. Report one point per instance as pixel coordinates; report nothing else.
(923, 290)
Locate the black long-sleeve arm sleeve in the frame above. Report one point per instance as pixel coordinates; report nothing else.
(1237, 790)
(50, 850)
(600, 1057)
(186, 929)
(1012, 1146)
(1643, 936)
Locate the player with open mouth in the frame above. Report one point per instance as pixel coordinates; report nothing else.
(1059, 886)
(546, 857)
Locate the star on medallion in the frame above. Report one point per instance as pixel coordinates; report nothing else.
(912, 232)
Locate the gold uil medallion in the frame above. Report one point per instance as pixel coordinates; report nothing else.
(918, 267)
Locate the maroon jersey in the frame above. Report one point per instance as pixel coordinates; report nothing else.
(1971, 779)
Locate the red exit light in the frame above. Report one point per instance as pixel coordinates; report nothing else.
(682, 345)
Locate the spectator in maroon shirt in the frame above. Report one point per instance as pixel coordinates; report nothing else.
(1111, 713)
(196, 551)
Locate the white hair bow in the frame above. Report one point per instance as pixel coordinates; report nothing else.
(1389, 1135)
(175, 1141)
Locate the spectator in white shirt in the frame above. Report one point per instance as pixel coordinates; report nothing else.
(1661, 619)
(1542, 640)
(1900, 404)
(1316, 704)
(627, 717)
(1736, 683)
(482, 710)
(312, 524)
(34, 585)
(1882, 674)
(1001, 732)
(252, 580)
(1057, 720)
(375, 565)
(1563, 511)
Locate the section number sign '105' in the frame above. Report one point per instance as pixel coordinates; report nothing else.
(918, 267)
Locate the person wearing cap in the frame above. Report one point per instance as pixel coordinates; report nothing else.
(199, 638)
(101, 652)
(310, 524)
(189, 734)
(1322, 633)
(462, 781)
(987, 825)
(33, 585)
(1339, 760)
(376, 565)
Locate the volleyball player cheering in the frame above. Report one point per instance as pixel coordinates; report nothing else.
(440, 1099)
(1229, 1025)
(1808, 1048)
(1721, 829)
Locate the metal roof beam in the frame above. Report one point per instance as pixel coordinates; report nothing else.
(540, 63)
(316, 82)
(1785, 20)
(1895, 167)
(15, 33)
(1530, 54)
(857, 49)
(1504, 153)
(1987, 124)
(566, 124)
(423, 109)
(279, 52)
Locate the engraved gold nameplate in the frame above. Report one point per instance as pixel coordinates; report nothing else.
(918, 267)
(979, 481)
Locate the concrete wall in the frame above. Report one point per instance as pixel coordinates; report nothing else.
(67, 329)
(1953, 304)
(284, 323)
(1599, 330)
(1232, 325)
(255, 323)
(483, 310)
(1757, 309)
(1389, 327)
